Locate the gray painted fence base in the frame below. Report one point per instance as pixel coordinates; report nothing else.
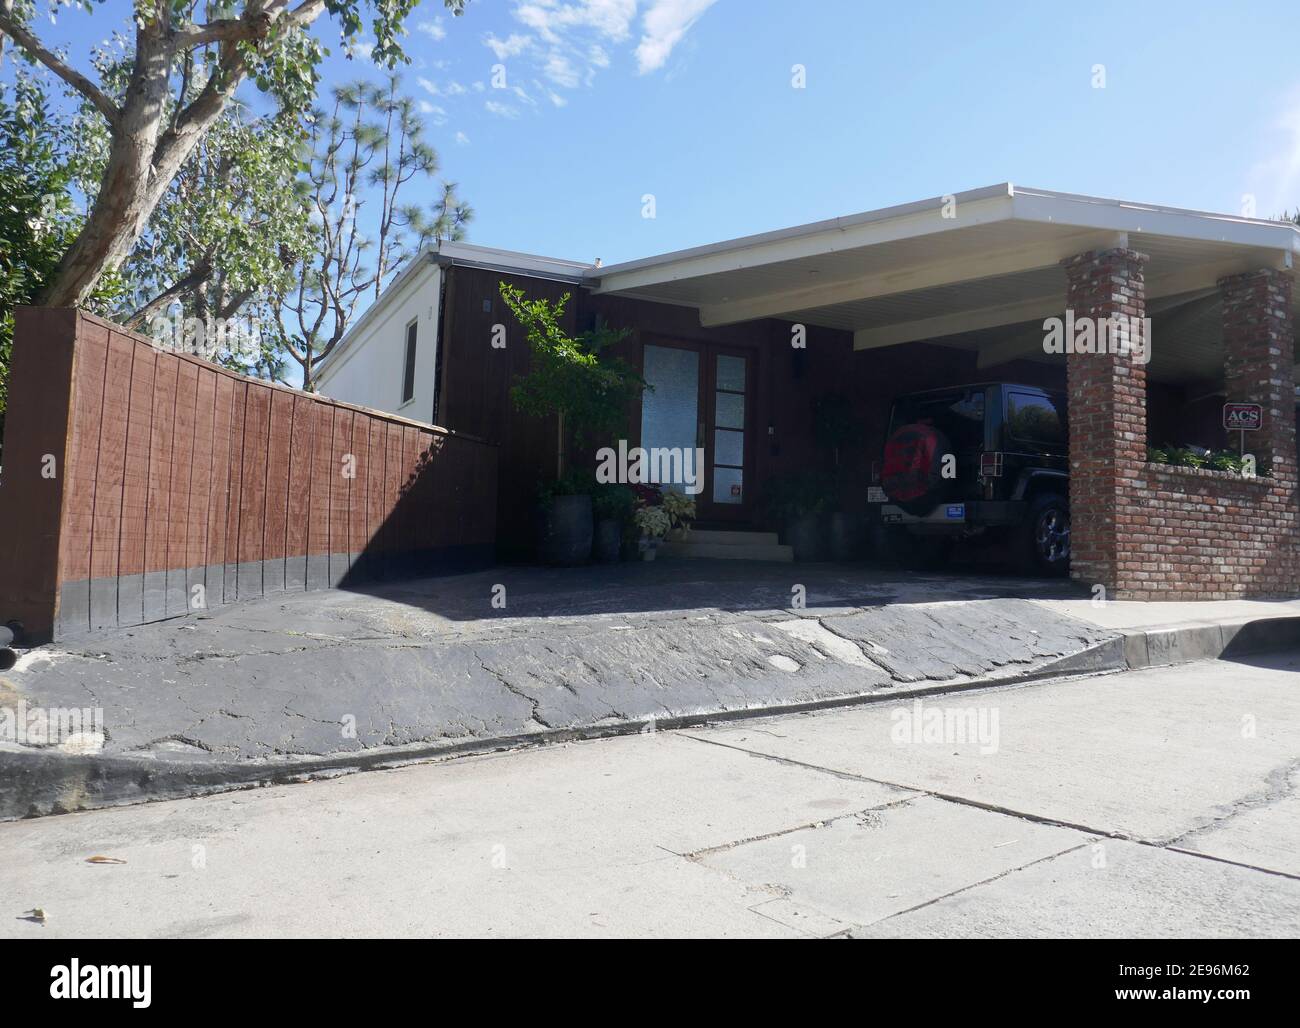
(105, 603)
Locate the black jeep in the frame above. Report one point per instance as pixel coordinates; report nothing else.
(985, 463)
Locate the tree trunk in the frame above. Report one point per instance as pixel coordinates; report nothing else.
(122, 206)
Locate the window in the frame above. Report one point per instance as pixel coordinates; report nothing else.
(1034, 419)
(959, 415)
(408, 369)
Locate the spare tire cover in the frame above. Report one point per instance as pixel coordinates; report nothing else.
(912, 472)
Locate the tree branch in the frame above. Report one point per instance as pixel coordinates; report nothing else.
(70, 75)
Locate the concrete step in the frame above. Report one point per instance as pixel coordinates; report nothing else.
(727, 551)
(731, 537)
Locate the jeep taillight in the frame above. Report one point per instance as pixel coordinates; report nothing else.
(991, 465)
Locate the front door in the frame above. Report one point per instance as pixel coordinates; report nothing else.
(701, 397)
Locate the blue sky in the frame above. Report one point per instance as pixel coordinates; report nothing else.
(692, 101)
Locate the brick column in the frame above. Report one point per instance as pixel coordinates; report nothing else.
(1258, 362)
(1107, 415)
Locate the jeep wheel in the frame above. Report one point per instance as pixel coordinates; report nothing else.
(1047, 536)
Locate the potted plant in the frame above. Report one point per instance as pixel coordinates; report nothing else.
(798, 502)
(835, 427)
(588, 392)
(653, 524)
(680, 509)
(612, 507)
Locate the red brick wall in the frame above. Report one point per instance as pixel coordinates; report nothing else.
(171, 473)
(1145, 531)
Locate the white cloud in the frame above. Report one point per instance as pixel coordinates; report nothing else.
(561, 71)
(433, 29)
(438, 114)
(549, 19)
(664, 25)
(500, 110)
(512, 46)
(1275, 180)
(429, 86)
(462, 139)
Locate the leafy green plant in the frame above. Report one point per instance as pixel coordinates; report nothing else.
(573, 377)
(794, 494)
(613, 502)
(577, 482)
(37, 215)
(1156, 455)
(1225, 460)
(1183, 457)
(835, 425)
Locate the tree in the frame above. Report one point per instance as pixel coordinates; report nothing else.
(370, 139)
(265, 40)
(37, 218)
(572, 377)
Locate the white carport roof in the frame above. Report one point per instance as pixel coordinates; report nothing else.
(957, 266)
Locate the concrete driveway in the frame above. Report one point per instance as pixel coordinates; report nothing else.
(316, 681)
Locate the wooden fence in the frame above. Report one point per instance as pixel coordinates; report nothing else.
(141, 484)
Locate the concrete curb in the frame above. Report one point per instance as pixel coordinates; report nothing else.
(1208, 640)
(40, 783)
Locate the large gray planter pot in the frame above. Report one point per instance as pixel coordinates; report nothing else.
(609, 541)
(846, 535)
(806, 535)
(566, 531)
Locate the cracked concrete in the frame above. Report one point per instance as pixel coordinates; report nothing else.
(1130, 806)
(330, 675)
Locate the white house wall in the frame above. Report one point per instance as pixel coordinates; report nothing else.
(368, 371)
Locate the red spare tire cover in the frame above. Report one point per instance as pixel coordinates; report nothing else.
(912, 473)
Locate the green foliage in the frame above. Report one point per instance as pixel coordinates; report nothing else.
(575, 482)
(1156, 455)
(1183, 457)
(370, 135)
(571, 376)
(794, 494)
(37, 215)
(835, 426)
(613, 501)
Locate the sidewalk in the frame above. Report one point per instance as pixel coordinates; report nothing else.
(324, 682)
(1129, 805)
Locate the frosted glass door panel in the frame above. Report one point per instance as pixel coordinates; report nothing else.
(670, 410)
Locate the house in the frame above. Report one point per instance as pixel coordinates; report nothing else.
(739, 338)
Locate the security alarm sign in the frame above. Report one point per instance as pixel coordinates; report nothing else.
(1243, 417)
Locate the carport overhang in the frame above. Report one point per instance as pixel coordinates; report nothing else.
(979, 270)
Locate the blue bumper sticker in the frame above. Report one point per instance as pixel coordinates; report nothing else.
(957, 511)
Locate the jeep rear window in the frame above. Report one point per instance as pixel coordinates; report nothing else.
(1032, 418)
(958, 415)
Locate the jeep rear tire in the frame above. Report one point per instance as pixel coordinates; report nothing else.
(1045, 536)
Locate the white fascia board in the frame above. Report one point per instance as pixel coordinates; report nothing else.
(926, 217)
(511, 262)
(1122, 216)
